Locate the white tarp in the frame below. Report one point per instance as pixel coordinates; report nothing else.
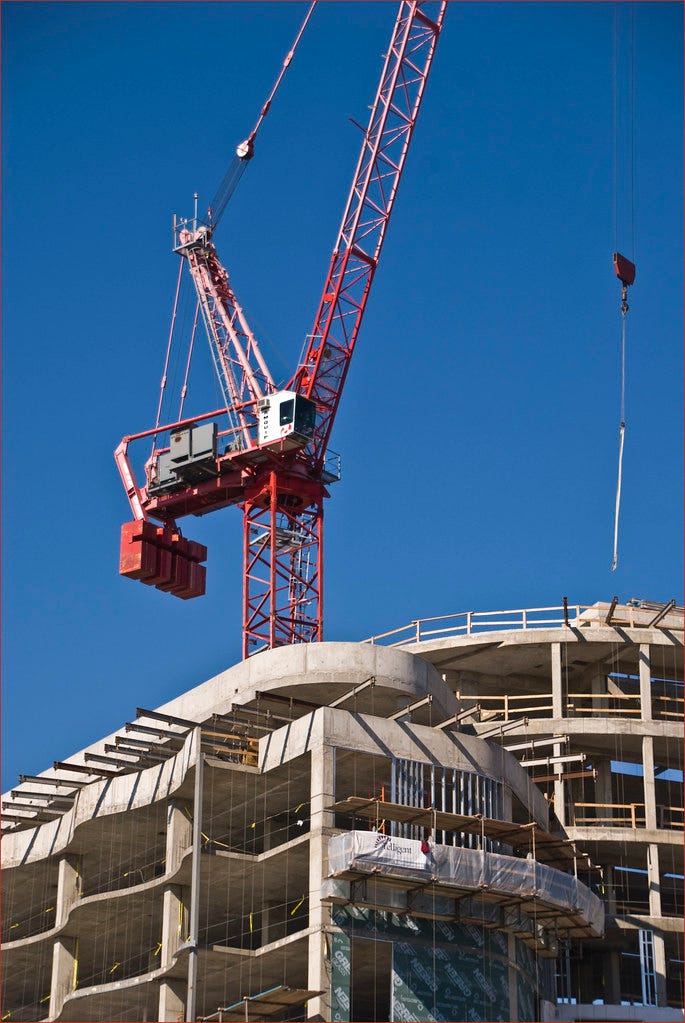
(371, 852)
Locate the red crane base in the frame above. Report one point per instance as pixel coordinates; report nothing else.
(283, 554)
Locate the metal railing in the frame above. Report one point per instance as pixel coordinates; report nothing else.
(539, 705)
(621, 815)
(615, 815)
(671, 817)
(607, 705)
(466, 623)
(511, 708)
(667, 707)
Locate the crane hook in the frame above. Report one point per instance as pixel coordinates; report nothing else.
(625, 271)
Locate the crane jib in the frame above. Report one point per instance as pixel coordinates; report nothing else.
(367, 213)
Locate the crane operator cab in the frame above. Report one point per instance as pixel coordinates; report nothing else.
(286, 419)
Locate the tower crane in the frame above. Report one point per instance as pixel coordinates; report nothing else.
(271, 456)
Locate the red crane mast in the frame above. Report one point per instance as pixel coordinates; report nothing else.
(273, 458)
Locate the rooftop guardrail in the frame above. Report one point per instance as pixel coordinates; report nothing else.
(465, 623)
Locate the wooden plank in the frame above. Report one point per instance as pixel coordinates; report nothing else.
(549, 848)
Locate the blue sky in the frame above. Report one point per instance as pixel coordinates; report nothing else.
(479, 426)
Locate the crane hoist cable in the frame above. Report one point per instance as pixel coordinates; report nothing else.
(245, 151)
(625, 271)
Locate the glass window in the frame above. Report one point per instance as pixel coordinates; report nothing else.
(305, 416)
(286, 412)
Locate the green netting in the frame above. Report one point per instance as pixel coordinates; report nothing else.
(440, 971)
(341, 966)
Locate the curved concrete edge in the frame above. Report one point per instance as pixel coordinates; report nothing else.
(591, 726)
(78, 908)
(335, 667)
(636, 836)
(589, 633)
(366, 733)
(315, 666)
(263, 950)
(635, 922)
(118, 985)
(176, 969)
(100, 799)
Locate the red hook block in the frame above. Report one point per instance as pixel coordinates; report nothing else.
(625, 270)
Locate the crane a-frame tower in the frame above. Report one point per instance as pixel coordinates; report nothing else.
(266, 449)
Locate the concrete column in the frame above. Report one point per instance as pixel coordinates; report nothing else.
(598, 682)
(464, 688)
(64, 972)
(64, 950)
(173, 992)
(645, 683)
(603, 788)
(68, 887)
(172, 1001)
(179, 833)
(612, 978)
(322, 794)
(654, 879)
(557, 680)
(172, 922)
(451, 679)
(610, 890)
(194, 914)
(599, 686)
(179, 838)
(513, 976)
(507, 803)
(660, 968)
(558, 711)
(648, 781)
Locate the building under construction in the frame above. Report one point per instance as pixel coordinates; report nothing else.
(476, 818)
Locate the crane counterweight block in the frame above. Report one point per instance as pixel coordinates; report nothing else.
(159, 556)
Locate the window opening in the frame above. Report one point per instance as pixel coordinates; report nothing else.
(286, 412)
(562, 974)
(647, 967)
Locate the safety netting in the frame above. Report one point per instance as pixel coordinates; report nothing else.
(466, 870)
